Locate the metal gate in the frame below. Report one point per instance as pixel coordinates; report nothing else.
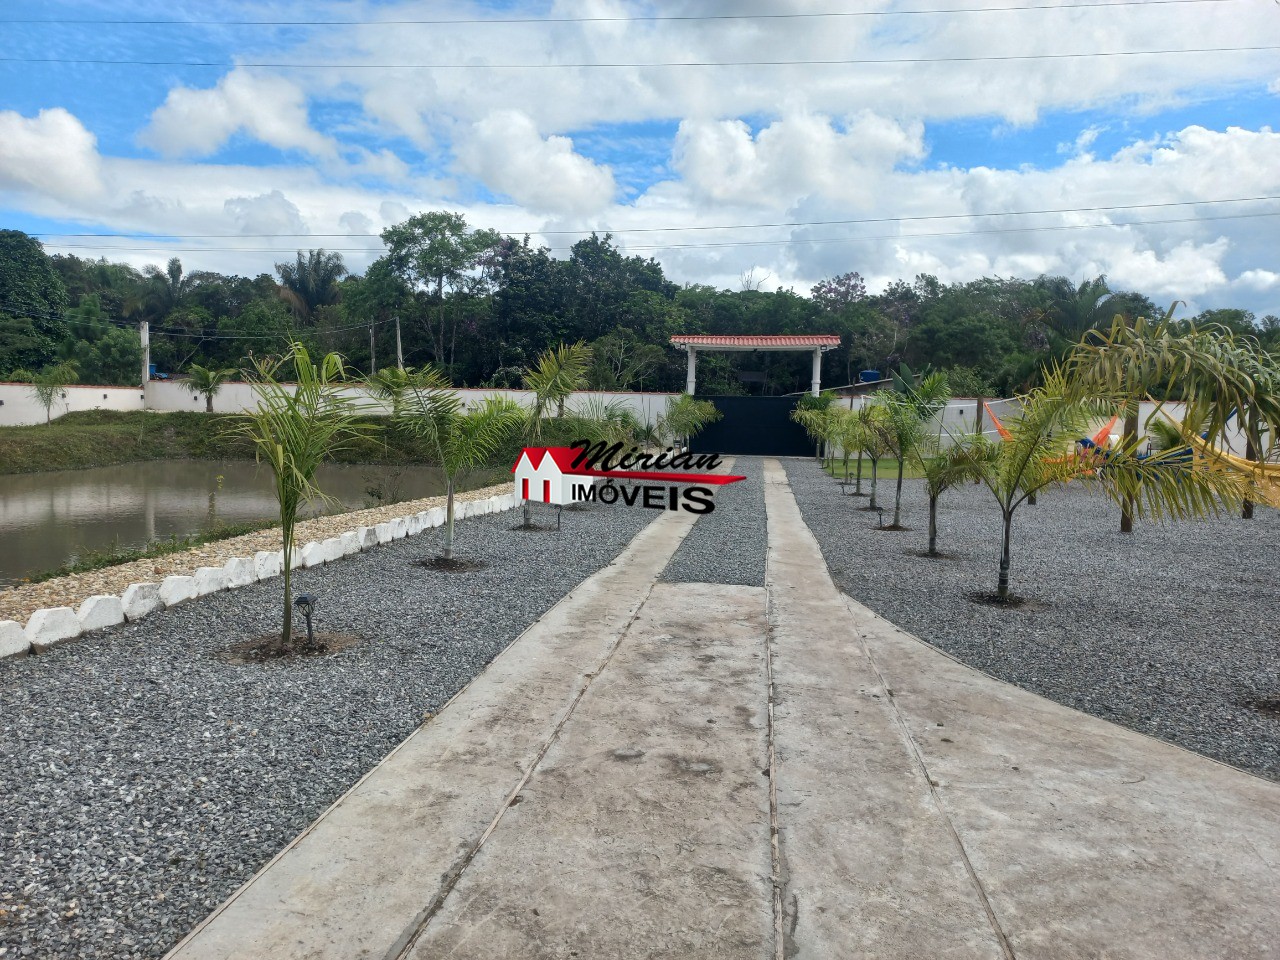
(754, 427)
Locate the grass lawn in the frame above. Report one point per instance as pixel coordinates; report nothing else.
(100, 438)
(888, 470)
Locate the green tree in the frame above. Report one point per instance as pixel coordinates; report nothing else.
(1040, 454)
(167, 289)
(311, 281)
(904, 425)
(555, 377)
(32, 301)
(1210, 369)
(208, 382)
(437, 253)
(293, 429)
(49, 385)
(945, 464)
(460, 440)
(685, 418)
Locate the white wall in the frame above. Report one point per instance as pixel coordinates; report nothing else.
(19, 407)
(171, 395)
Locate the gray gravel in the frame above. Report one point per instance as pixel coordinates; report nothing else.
(1170, 630)
(729, 544)
(142, 778)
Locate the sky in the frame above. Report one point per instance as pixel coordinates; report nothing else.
(765, 142)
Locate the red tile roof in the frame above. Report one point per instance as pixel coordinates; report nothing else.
(817, 340)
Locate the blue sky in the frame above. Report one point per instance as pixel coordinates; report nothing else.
(241, 164)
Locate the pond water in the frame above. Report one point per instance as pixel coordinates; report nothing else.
(48, 518)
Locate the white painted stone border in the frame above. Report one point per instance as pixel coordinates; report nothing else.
(51, 626)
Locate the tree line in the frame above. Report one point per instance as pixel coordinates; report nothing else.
(481, 307)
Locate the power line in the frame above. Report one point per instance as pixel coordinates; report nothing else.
(704, 227)
(729, 243)
(282, 65)
(656, 18)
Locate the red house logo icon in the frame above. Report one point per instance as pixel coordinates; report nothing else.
(545, 475)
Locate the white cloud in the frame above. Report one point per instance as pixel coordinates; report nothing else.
(50, 154)
(199, 122)
(506, 152)
(1259, 280)
(269, 213)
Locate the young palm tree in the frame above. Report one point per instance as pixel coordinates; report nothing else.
(461, 440)
(556, 376)
(391, 384)
(820, 424)
(208, 382)
(905, 424)
(1040, 453)
(292, 431)
(685, 418)
(945, 466)
(1209, 368)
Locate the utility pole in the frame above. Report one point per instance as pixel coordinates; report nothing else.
(373, 364)
(399, 349)
(144, 336)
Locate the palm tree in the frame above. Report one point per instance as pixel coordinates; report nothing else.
(685, 418)
(907, 413)
(293, 430)
(945, 466)
(167, 289)
(391, 384)
(208, 382)
(556, 376)
(311, 281)
(460, 440)
(1073, 313)
(1209, 368)
(1040, 454)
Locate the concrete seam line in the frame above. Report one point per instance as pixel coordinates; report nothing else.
(408, 939)
(914, 748)
(931, 648)
(775, 843)
(244, 887)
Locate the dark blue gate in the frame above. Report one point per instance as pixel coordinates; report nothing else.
(754, 427)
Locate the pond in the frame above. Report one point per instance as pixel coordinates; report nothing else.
(48, 518)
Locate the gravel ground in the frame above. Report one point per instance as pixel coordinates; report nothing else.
(143, 778)
(729, 544)
(1170, 630)
(18, 603)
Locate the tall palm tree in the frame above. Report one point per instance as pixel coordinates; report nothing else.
(292, 429)
(1073, 313)
(208, 382)
(167, 289)
(311, 281)
(908, 411)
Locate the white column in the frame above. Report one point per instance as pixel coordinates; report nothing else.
(816, 386)
(144, 335)
(691, 379)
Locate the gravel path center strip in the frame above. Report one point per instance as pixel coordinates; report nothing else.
(729, 544)
(1170, 630)
(143, 778)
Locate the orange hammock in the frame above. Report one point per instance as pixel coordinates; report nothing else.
(1099, 439)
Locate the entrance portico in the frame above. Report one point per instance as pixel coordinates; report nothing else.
(818, 343)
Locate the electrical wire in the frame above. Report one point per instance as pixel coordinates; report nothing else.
(727, 243)
(722, 226)
(282, 65)
(655, 18)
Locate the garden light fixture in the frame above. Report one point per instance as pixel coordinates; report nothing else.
(306, 602)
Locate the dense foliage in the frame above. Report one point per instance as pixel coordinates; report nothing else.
(482, 308)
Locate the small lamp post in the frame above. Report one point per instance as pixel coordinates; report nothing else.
(306, 602)
(879, 516)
